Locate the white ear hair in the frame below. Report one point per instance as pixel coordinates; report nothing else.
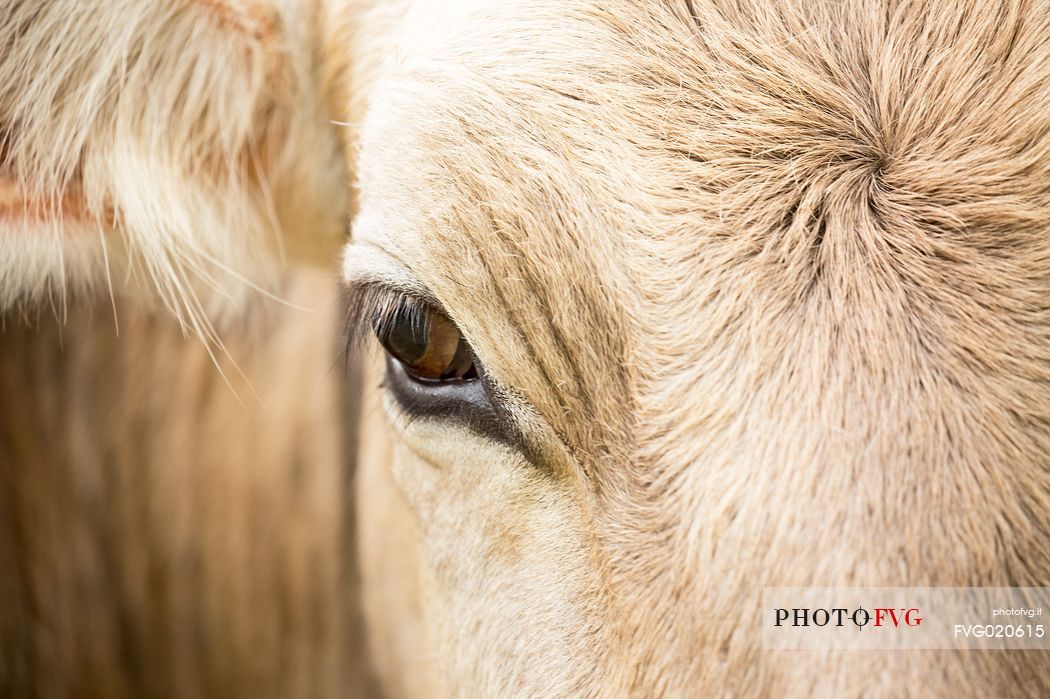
(176, 147)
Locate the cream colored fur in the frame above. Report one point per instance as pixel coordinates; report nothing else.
(163, 147)
(767, 283)
(764, 284)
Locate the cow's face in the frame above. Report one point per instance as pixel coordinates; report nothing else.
(682, 301)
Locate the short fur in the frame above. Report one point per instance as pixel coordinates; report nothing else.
(766, 284)
(160, 537)
(770, 282)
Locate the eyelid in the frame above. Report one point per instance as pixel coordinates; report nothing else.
(365, 263)
(370, 305)
(377, 282)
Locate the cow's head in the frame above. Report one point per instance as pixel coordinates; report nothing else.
(680, 300)
(683, 300)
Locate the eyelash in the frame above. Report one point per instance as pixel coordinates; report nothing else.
(372, 307)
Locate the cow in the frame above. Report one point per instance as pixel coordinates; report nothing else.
(672, 302)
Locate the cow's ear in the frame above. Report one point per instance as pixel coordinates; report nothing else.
(177, 150)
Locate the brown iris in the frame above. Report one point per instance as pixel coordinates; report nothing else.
(428, 345)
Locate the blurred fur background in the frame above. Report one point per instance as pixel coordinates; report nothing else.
(163, 535)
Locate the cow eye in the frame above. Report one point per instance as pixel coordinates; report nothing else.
(431, 370)
(427, 344)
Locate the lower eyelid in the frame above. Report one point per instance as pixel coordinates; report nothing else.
(463, 401)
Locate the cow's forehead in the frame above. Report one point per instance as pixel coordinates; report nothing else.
(627, 208)
(564, 179)
(504, 176)
(600, 192)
